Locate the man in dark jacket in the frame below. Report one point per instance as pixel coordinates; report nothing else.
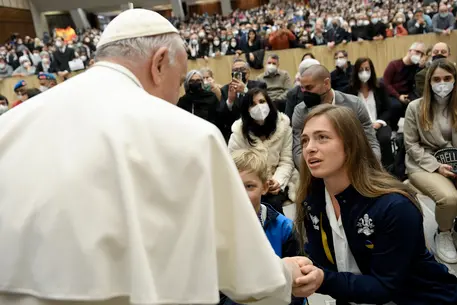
(233, 93)
(379, 28)
(341, 76)
(316, 83)
(62, 56)
(440, 50)
(336, 34)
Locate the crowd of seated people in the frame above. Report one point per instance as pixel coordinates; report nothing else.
(267, 115)
(287, 25)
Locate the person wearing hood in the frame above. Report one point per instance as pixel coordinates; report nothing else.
(278, 82)
(198, 99)
(399, 81)
(439, 50)
(25, 68)
(5, 69)
(341, 76)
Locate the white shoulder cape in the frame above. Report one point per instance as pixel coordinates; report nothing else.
(107, 191)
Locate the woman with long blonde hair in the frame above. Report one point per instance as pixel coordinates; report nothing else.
(363, 228)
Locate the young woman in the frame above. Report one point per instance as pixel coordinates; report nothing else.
(266, 130)
(430, 125)
(364, 228)
(364, 84)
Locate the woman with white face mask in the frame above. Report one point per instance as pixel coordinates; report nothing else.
(264, 129)
(365, 85)
(26, 68)
(430, 126)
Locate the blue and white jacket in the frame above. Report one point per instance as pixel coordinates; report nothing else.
(386, 237)
(280, 233)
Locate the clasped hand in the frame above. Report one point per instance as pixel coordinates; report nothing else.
(306, 278)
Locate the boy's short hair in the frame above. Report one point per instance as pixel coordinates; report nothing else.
(251, 161)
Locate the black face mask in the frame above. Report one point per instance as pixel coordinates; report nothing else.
(439, 56)
(313, 99)
(195, 87)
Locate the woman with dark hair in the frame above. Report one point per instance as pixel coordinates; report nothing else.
(307, 55)
(266, 130)
(363, 228)
(253, 44)
(365, 85)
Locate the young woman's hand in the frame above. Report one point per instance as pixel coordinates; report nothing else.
(309, 283)
(446, 171)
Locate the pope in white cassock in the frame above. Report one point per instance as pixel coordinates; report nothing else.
(110, 194)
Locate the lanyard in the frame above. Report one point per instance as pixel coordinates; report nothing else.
(327, 251)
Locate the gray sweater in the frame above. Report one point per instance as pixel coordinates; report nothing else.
(342, 99)
(442, 24)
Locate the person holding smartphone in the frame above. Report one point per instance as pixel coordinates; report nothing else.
(233, 93)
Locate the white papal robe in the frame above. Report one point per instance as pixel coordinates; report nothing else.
(107, 191)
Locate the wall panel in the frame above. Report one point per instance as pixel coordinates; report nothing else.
(14, 20)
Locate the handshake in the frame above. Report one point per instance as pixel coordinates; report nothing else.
(306, 278)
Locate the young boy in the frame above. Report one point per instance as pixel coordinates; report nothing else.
(253, 170)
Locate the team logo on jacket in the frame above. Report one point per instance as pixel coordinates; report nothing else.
(365, 225)
(315, 221)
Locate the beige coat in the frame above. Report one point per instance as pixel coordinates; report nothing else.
(278, 148)
(420, 145)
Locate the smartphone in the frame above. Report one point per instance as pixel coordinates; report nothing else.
(238, 75)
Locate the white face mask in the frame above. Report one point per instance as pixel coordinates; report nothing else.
(26, 65)
(366, 22)
(22, 97)
(83, 58)
(443, 89)
(233, 44)
(216, 43)
(43, 88)
(259, 112)
(341, 62)
(364, 76)
(272, 68)
(3, 109)
(59, 44)
(415, 59)
(2, 66)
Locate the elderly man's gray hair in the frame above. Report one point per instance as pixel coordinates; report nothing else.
(416, 44)
(189, 75)
(136, 49)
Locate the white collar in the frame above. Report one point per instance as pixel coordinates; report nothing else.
(121, 69)
(334, 97)
(330, 210)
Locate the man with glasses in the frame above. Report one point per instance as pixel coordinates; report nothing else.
(233, 93)
(439, 50)
(399, 80)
